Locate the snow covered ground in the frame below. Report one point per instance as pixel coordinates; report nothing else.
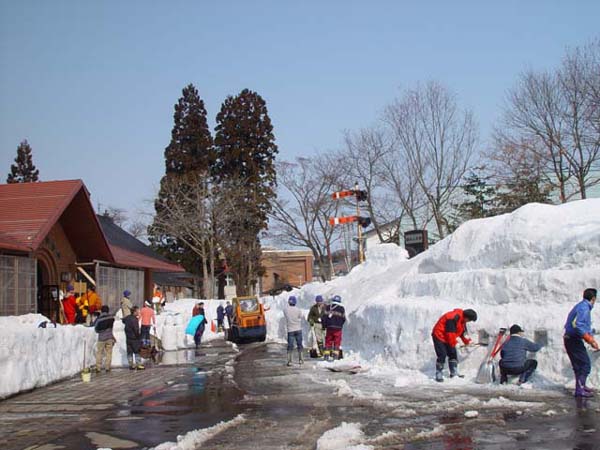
(528, 267)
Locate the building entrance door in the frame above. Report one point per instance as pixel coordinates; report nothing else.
(48, 302)
(47, 294)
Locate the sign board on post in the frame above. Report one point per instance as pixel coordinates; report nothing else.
(415, 242)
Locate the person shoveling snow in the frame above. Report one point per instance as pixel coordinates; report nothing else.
(578, 329)
(445, 334)
(514, 356)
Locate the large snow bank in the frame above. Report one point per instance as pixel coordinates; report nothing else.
(31, 357)
(529, 267)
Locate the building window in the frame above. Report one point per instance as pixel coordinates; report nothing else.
(229, 280)
(18, 287)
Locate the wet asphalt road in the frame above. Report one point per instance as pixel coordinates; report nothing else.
(285, 408)
(290, 408)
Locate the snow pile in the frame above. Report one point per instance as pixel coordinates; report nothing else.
(347, 436)
(194, 439)
(529, 267)
(170, 327)
(31, 357)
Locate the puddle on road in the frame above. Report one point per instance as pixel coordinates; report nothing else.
(196, 399)
(577, 429)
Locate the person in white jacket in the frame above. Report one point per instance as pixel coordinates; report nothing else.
(293, 320)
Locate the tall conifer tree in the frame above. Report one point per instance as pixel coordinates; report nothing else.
(246, 151)
(189, 156)
(23, 171)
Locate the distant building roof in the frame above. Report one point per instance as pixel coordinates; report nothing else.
(30, 210)
(129, 251)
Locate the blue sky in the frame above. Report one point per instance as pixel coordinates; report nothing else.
(92, 84)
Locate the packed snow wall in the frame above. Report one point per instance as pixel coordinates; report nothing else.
(31, 357)
(529, 267)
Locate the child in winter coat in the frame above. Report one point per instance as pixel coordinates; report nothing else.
(133, 338)
(106, 339)
(333, 321)
(315, 321)
(293, 320)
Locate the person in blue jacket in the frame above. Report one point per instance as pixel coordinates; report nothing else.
(229, 313)
(220, 317)
(195, 327)
(577, 330)
(514, 356)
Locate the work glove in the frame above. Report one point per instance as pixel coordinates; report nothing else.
(591, 341)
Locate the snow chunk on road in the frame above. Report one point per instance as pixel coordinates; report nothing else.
(471, 414)
(348, 436)
(194, 439)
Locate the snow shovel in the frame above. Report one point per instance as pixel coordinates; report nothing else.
(487, 373)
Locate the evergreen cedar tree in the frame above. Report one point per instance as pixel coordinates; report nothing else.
(246, 146)
(485, 200)
(480, 199)
(246, 151)
(190, 151)
(240, 161)
(23, 171)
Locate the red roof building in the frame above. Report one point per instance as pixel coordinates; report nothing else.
(50, 236)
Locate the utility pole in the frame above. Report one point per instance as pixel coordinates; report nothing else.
(362, 222)
(361, 256)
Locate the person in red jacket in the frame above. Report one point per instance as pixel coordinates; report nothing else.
(445, 334)
(70, 305)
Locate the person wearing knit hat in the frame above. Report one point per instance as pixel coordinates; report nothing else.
(315, 321)
(293, 321)
(445, 334)
(514, 356)
(334, 318)
(126, 304)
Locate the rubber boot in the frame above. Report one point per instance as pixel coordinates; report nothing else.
(586, 388)
(580, 390)
(453, 366)
(289, 361)
(439, 374)
(130, 361)
(300, 358)
(327, 355)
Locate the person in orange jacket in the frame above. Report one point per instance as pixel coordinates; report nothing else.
(445, 334)
(94, 301)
